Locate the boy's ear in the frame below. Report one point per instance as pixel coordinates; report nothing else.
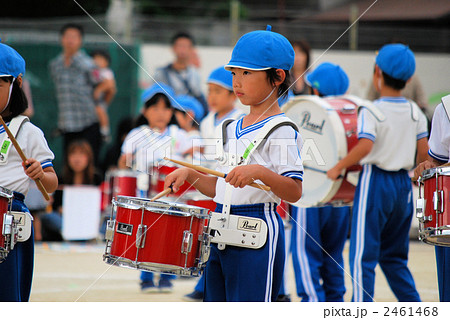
(19, 80)
(282, 75)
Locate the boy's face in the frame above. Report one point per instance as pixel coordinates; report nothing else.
(219, 98)
(158, 115)
(4, 94)
(71, 40)
(251, 87)
(100, 61)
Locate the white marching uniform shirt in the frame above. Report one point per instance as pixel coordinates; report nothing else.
(208, 130)
(149, 147)
(280, 154)
(384, 153)
(439, 142)
(34, 145)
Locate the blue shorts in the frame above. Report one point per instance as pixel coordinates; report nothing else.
(245, 274)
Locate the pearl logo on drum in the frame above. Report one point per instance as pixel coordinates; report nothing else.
(307, 124)
(124, 228)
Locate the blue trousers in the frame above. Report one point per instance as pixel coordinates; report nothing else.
(318, 239)
(16, 272)
(443, 272)
(245, 274)
(381, 220)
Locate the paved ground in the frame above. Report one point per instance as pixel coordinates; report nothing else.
(71, 271)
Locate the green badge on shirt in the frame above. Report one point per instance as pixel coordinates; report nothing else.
(5, 147)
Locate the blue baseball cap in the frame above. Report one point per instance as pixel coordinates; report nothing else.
(189, 103)
(397, 61)
(11, 62)
(151, 91)
(221, 77)
(262, 50)
(329, 79)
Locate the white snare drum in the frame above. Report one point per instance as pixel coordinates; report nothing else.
(158, 236)
(8, 232)
(328, 127)
(433, 209)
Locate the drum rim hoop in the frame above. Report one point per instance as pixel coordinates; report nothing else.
(6, 193)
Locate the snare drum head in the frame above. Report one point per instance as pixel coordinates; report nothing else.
(324, 144)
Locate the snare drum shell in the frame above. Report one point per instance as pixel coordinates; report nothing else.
(441, 219)
(4, 202)
(163, 239)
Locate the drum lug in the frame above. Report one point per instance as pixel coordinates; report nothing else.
(420, 208)
(186, 244)
(140, 236)
(109, 233)
(438, 204)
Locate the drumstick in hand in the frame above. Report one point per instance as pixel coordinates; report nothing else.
(214, 173)
(161, 194)
(23, 157)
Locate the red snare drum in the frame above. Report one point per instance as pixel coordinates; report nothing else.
(8, 235)
(161, 174)
(328, 127)
(158, 236)
(433, 210)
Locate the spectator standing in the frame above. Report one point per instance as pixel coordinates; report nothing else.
(72, 72)
(181, 75)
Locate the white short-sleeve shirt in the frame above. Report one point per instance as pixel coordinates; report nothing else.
(439, 142)
(280, 153)
(395, 138)
(34, 145)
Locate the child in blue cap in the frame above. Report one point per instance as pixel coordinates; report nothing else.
(319, 233)
(236, 271)
(16, 271)
(390, 135)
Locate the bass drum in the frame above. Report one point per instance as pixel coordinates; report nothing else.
(328, 127)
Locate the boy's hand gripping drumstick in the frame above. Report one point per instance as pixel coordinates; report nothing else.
(215, 173)
(24, 158)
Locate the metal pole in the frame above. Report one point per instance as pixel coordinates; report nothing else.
(353, 41)
(234, 21)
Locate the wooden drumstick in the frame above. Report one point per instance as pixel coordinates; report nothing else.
(215, 173)
(23, 157)
(161, 194)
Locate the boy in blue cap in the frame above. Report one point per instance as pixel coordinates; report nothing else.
(319, 233)
(383, 207)
(16, 271)
(236, 271)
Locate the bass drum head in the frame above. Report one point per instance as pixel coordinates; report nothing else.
(324, 144)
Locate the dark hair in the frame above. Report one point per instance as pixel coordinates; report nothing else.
(18, 102)
(101, 53)
(392, 82)
(71, 26)
(284, 87)
(182, 35)
(306, 48)
(89, 172)
(141, 120)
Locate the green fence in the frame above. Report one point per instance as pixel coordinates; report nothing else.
(38, 56)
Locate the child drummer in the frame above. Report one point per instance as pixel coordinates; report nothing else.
(16, 272)
(260, 62)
